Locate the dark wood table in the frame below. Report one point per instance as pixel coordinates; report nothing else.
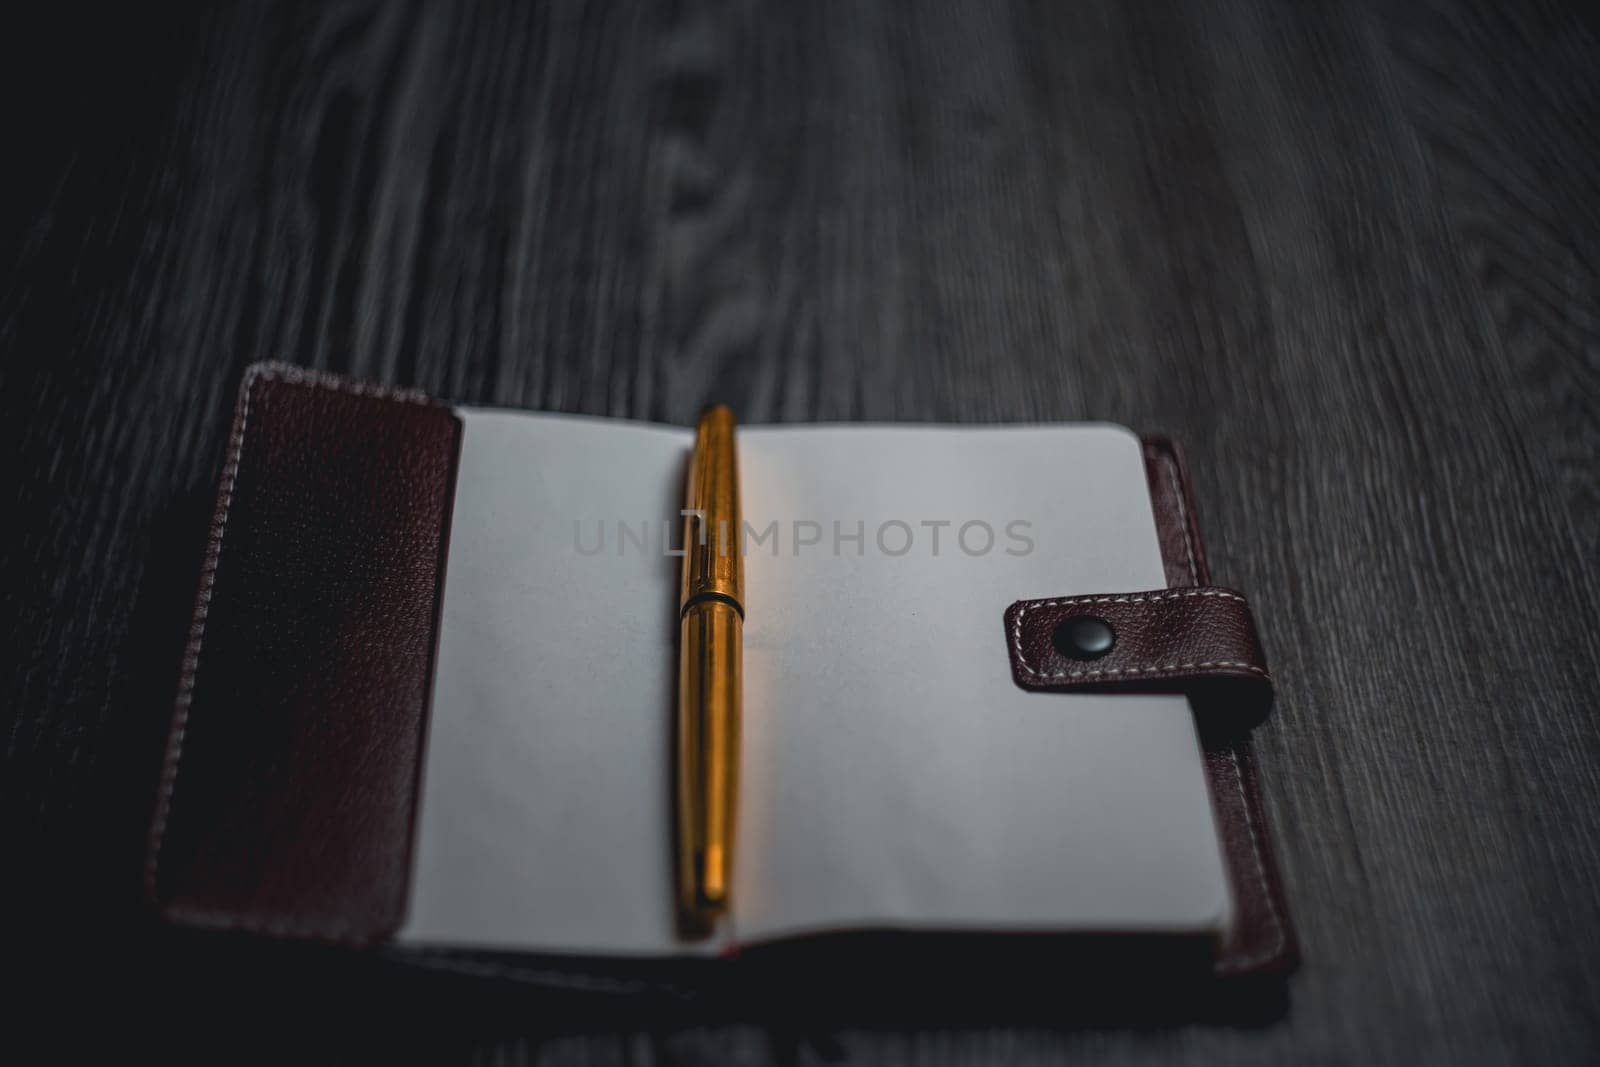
(1348, 256)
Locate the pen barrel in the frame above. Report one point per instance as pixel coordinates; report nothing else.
(712, 563)
(709, 683)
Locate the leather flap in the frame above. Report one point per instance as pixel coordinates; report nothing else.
(1201, 641)
(289, 789)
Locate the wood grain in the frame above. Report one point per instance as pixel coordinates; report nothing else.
(1348, 254)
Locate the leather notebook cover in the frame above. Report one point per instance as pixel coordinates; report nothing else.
(320, 590)
(288, 797)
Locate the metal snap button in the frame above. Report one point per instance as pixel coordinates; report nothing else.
(1084, 637)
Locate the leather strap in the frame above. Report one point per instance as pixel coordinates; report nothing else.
(1262, 942)
(1200, 640)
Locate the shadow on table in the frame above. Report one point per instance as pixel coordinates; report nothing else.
(279, 995)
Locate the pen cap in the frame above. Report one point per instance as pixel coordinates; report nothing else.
(712, 564)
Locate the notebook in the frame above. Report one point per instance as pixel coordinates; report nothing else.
(428, 696)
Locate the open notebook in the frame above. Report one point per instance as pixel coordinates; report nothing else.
(893, 775)
(428, 694)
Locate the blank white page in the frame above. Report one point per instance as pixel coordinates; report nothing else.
(546, 793)
(894, 774)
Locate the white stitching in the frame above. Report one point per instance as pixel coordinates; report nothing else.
(197, 630)
(1139, 598)
(1280, 934)
(257, 372)
(293, 375)
(1165, 668)
(1183, 519)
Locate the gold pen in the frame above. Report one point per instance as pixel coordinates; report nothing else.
(710, 655)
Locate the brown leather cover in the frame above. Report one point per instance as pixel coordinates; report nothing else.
(288, 793)
(1262, 940)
